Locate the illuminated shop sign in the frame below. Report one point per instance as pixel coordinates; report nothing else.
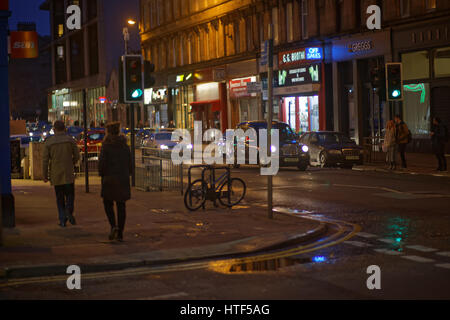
(24, 44)
(360, 46)
(155, 96)
(299, 56)
(238, 87)
(297, 76)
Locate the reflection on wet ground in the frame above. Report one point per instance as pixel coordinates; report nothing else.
(398, 230)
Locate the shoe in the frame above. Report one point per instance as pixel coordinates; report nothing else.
(119, 236)
(62, 224)
(113, 234)
(71, 218)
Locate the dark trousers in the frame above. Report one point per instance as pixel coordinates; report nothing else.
(121, 213)
(65, 197)
(402, 151)
(439, 150)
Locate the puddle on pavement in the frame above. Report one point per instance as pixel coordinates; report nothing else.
(231, 267)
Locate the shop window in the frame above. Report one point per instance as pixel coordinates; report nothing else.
(304, 6)
(442, 62)
(416, 108)
(430, 5)
(416, 65)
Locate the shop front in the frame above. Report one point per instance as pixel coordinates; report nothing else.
(424, 51)
(299, 87)
(244, 105)
(199, 96)
(156, 109)
(360, 108)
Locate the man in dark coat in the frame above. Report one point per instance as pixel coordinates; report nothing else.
(439, 140)
(402, 133)
(115, 170)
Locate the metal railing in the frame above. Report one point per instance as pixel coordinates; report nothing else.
(373, 149)
(92, 158)
(155, 171)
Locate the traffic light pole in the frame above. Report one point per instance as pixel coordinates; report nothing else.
(86, 151)
(269, 122)
(133, 147)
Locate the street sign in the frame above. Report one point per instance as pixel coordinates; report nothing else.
(254, 87)
(264, 53)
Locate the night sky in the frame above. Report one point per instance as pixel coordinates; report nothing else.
(28, 11)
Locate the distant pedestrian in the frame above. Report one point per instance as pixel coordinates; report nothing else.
(439, 138)
(115, 170)
(171, 125)
(60, 156)
(390, 145)
(403, 137)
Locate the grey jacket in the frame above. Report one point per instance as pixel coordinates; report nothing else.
(60, 155)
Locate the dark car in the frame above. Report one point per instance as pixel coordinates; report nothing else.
(292, 153)
(327, 148)
(94, 141)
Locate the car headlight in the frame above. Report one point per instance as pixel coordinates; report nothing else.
(305, 149)
(45, 134)
(189, 146)
(31, 134)
(273, 149)
(164, 147)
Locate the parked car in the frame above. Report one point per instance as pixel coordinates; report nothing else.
(143, 135)
(160, 140)
(75, 132)
(328, 148)
(94, 141)
(292, 153)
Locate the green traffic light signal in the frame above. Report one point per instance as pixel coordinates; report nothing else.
(394, 81)
(133, 78)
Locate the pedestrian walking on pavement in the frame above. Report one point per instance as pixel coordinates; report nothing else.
(439, 138)
(390, 145)
(115, 171)
(60, 156)
(403, 137)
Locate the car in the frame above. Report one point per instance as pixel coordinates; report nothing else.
(94, 141)
(291, 154)
(160, 140)
(143, 135)
(75, 132)
(330, 148)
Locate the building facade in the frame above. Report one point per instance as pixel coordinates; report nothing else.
(206, 52)
(88, 59)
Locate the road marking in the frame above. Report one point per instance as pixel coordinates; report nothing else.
(391, 241)
(389, 252)
(444, 254)
(418, 259)
(421, 248)
(366, 235)
(443, 265)
(358, 244)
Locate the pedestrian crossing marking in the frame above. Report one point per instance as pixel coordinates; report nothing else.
(418, 259)
(391, 241)
(443, 265)
(444, 254)
(421, 248)
(366, 235)
(389, 252)
(358, 244)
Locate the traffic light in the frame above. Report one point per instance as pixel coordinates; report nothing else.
(394, 81)
(133, 84)
(149, 80)
(378, 80)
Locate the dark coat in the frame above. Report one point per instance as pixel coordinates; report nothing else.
(438, 139)
(115, 169)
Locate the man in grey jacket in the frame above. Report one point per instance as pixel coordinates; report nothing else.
(60, 156)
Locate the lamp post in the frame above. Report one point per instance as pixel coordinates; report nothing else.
(126, 34)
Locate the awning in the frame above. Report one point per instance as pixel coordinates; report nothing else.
(215, 105)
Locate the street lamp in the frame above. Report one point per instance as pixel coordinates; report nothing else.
(126, 35)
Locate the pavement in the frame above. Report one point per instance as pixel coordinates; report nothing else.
(418, 163)
(159, 230)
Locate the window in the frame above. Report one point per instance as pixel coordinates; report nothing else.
(442, 62)
(289, 22)
(60, 30)
(430, 5)
(305, 4)
(416, 108)
(276, 28)
(416, 65)
(404, 8)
